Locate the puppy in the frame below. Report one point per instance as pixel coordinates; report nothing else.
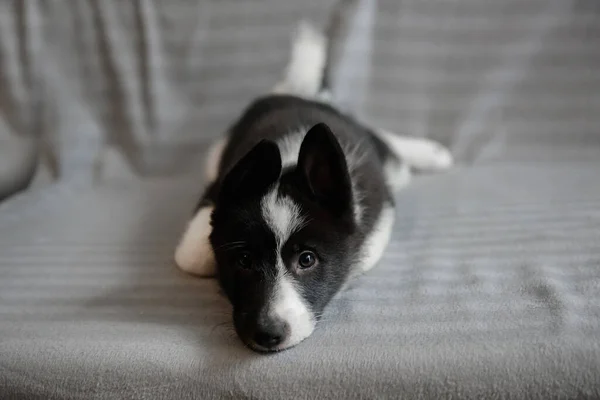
(300, 198)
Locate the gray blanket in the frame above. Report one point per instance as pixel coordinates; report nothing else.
(489, 289)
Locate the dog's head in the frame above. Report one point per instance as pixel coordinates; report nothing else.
(281, 238)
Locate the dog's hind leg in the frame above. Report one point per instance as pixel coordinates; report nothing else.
(304, 72)
(308, 72)
(419, 153)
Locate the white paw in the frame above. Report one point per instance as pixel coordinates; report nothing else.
(194, 253)
(418, 153)
(304, 70)
(429, 155)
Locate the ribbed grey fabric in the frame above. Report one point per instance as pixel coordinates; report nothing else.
(489, 289)
(157, 79)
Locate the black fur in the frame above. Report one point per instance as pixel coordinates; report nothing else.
(323, 172)
(321, 183)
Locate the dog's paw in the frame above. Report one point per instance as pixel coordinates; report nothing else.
(427, 155)
(304, 71)
(194, 253)
(419, 153)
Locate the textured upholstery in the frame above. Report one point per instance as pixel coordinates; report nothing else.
(489, 288)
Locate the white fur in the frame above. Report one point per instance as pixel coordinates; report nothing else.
(419, 153)
(305, 69)
(288, 305)
(194, 253)
(213, 159)
(282, 215)
(397, 175)
(289, 147)
(377, 240)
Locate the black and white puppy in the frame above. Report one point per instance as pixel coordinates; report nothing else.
(300, 198)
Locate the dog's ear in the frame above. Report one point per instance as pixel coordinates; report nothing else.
(324, 172)
(253, 174)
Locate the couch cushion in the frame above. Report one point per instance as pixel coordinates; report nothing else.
(489, 288)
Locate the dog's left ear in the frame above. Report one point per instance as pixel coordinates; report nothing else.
(253, 173)
(324, 172)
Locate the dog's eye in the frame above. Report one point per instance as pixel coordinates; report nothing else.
(307, 259)
(244, 260)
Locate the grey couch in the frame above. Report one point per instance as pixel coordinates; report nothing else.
(489, 289)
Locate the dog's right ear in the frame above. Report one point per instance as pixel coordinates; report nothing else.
(322, 166)
(253, 174)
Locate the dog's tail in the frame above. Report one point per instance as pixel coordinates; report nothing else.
(309, 69)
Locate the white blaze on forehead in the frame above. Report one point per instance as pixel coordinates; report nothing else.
(282, 216)
(289, 147)
(288, 305)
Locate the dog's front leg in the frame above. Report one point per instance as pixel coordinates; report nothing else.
(194, 253)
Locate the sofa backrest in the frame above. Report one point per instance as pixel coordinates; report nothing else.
(108, 87)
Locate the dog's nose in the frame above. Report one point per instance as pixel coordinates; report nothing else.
(270, 334)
